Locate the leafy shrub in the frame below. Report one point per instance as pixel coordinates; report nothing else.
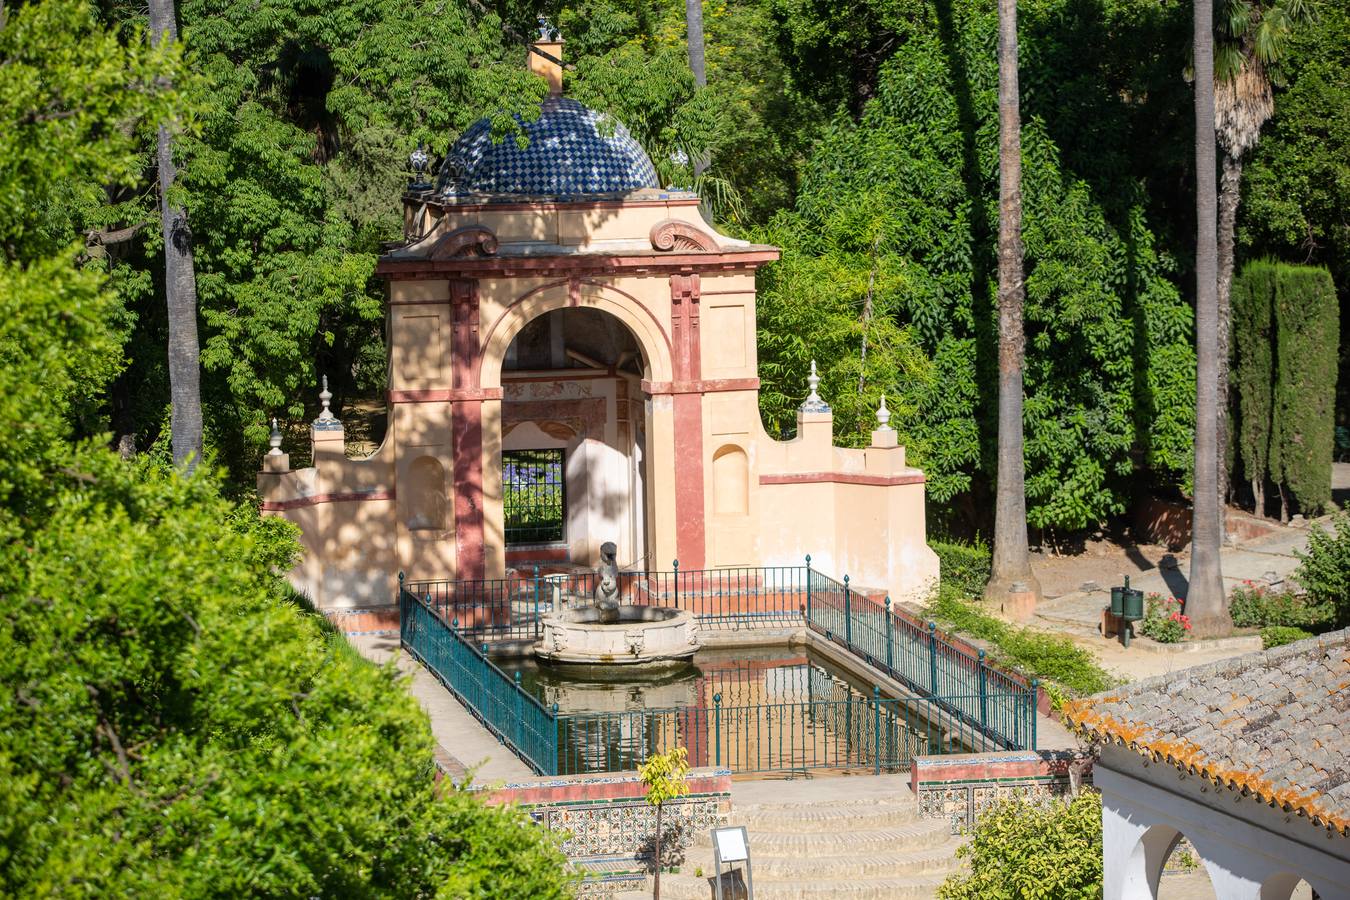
(1164, 620)
(1255, 606)
(1325, 569)
(1025, 850)
(1279, 635)
(187, 730)
(1047, 656)
(965, 567)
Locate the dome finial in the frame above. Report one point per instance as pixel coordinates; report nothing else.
(275, 440)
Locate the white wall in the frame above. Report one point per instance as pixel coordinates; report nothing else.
(1250, 850)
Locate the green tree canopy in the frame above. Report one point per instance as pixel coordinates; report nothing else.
(172, 722)
(1109, 371)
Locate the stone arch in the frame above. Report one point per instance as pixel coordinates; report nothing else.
(1149, 858)
(731, 481)
(645, 327)
(426, 495)
(1283, 885)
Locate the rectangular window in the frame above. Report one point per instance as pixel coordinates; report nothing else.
(534, 500)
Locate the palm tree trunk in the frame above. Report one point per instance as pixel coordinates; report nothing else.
(1012, 561)
(180, 283)
(1205, 601)
(1229, 195)
(693, 23)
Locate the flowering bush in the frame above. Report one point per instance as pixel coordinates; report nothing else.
(1256, 606)
(1164, 621)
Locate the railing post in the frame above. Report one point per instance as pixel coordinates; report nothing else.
(402, 611)
(932, 658)
(553, 758)
(536, 603)
(848, 615)
(876, 727)
(1035, 691)
(808, 590)
(717, 728)
(519, 724)
(890, 653)
(984, 712)
(675, 564)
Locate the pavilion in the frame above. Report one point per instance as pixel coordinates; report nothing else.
(573, 360)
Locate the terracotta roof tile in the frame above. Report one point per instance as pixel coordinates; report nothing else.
(1273, 724)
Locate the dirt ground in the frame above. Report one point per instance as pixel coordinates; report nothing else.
(1101, 561)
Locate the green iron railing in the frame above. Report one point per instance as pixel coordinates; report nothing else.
(500, 703)
(1001, 705)
(849, 733)
(962, 701)
(509, 608)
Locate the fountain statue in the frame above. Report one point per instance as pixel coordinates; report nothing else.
(606, 596)
(608, 631)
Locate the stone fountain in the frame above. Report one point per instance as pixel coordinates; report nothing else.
(607, 632)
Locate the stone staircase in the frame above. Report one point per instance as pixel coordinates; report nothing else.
(873, 847)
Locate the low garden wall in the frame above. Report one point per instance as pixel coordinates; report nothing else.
(958, 787)
(370, 620)
(610, 826)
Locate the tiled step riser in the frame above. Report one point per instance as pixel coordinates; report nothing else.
(771, 868)
(700, 889)
(810, 821)
(912, 836)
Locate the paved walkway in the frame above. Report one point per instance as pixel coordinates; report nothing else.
(466, 746)
(1078, 615)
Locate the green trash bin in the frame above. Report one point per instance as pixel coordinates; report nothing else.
(1132, 604)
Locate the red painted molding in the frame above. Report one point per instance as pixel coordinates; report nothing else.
(841, 478)
(548, 205)
(444, 395)
(561, 375)
(653, 261)
(334, 497)
(709, 386)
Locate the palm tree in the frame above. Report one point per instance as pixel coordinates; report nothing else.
(180, 282)
(1205, 601)
(1247, 63)
(693, 21)
(1012, 562)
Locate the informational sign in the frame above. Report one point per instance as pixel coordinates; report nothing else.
(732, 845)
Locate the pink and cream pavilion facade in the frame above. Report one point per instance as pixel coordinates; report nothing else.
(555, 298)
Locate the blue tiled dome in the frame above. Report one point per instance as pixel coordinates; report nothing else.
(572, 150)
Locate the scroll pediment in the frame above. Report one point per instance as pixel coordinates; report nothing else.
(468, 242)
(680, 236)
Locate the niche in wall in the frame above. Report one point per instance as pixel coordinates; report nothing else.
(731, 481)
(426, 495)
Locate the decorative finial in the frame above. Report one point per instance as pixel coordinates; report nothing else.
(546, 30)
(883, 416)
(326, 419)
(419, 159)
(813, 403)
(275, 440)
(325, 397)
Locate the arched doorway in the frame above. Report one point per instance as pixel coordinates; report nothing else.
(573, 440)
